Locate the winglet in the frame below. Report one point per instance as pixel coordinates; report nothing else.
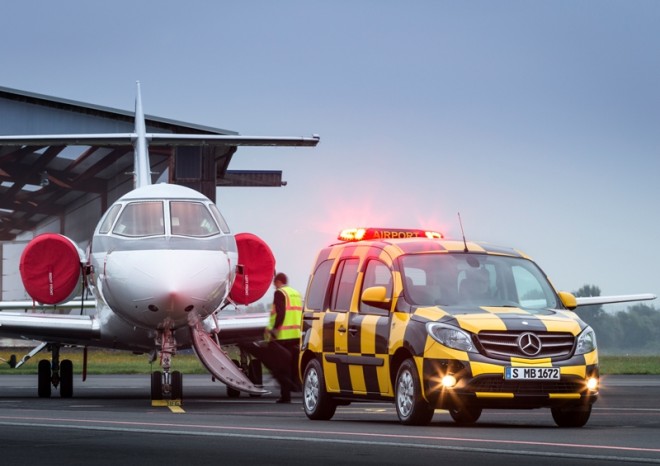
(142, 174)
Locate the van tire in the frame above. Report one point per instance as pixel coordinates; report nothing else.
(411, 408)
(318, 405)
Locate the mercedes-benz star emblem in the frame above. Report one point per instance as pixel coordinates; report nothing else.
(529, 344)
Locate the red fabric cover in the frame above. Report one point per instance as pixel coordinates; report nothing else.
(50, 268)
(258, 269)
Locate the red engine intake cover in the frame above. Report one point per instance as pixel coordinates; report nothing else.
(50, 268)
(258, 269)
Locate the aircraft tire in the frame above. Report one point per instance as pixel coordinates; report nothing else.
(177, 385)
(255, 375)
(66, 379)
(157, 385)
(44, 387)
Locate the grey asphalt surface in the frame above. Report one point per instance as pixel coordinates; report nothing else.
(110, 420)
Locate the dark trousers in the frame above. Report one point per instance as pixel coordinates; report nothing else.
(285, 369)
(281, 358)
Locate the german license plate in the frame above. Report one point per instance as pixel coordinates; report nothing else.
(531, 373)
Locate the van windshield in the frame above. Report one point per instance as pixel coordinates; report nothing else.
(462, 279)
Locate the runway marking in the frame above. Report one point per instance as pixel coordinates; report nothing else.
(174, 405)
(321, 432)
(653, 410)
(175, 429)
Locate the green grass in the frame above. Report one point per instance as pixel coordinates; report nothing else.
(101, 361)
(637, 365)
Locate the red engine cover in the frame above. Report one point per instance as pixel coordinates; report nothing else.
(50, 268)
(258, 269)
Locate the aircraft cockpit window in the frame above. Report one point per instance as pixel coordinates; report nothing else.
(192, 219)
(219, 218)
(141, 219)
(109, 219)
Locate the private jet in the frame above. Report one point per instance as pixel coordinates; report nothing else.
(161, 264)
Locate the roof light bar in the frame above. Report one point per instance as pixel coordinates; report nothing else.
(363, 234)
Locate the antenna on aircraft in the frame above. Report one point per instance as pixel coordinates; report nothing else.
(460, 222)
(142, 174)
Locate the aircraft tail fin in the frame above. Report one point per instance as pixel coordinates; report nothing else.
(142, 174)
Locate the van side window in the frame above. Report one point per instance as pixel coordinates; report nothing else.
(376, 274)
(318, 288)
(344, 285)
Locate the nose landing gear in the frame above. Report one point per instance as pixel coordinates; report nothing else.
(166, 384)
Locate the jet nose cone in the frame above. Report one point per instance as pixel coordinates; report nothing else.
(152, 287)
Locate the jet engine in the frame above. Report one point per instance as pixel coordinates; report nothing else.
(255, 270)
(51, 269)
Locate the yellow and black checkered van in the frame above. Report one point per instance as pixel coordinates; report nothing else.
(409, 317)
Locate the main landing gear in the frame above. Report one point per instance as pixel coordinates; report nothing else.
(53, 373)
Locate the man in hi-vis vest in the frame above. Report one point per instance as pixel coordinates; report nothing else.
(284, 331)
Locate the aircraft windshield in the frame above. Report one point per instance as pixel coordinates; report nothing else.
(192, 219)
(141, 219)
(475, 280)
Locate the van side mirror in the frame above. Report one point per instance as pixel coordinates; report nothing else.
(376, 296)
(568, 300)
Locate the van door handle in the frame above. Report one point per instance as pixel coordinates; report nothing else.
(353, 331)
(341, 329)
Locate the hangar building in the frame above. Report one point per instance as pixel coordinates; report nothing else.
(65, 189)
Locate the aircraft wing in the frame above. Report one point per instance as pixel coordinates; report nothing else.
(597, 300)
(63, 328)
(85, 330)
(31, 305)
(155, 139)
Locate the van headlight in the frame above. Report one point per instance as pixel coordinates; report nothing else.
(586, 341)
(451, 337)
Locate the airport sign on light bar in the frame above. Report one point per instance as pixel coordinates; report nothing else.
(363, 234)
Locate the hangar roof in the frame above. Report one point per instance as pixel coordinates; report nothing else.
(38, 182)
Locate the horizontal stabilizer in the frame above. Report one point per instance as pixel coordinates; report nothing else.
(155, 139)
(597, 300)
(219, 364)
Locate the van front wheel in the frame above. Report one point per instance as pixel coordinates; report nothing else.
(318, 405)
(411, 408)
(571, 416)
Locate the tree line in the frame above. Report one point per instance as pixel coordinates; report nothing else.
(635, 330)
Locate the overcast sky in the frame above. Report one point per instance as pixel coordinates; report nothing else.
(538, 121)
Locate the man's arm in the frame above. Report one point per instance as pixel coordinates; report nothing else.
(279, 300)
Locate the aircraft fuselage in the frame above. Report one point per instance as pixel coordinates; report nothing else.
(161, 255)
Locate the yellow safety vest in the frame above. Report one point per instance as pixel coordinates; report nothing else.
(290, 329)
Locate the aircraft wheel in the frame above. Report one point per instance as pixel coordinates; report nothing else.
(318, 405)
(411, 408)
(571, 416)
(66, 379)
(255, 375)
(44, 375)
(177, 385)
(157, 385)
(232, 392)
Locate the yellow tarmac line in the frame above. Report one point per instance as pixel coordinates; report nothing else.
(174, 405)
